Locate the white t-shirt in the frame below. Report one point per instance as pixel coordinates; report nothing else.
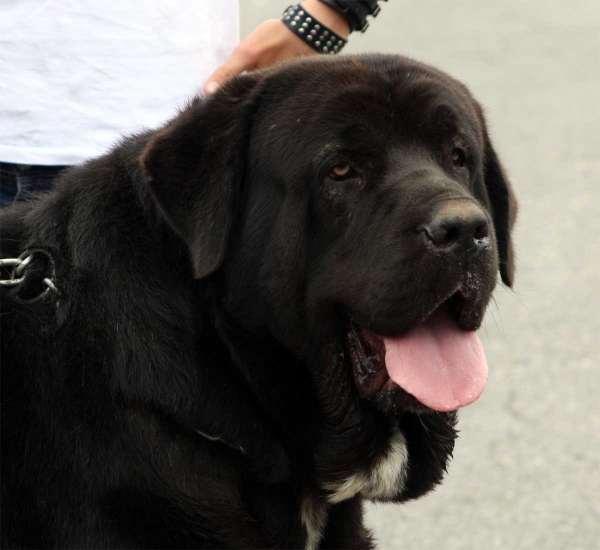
(77, 74)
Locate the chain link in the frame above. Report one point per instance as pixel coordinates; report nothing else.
(18, 273)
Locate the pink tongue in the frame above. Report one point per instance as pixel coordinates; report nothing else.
(439, 364)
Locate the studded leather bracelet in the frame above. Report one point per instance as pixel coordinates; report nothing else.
(312, 31)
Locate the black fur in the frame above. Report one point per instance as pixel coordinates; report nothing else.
(207, 272)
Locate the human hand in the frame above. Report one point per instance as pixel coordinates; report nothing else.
(272, 42)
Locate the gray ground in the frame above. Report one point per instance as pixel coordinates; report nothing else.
(526, 472)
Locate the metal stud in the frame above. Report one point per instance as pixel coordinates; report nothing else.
(297, 18)
(325, 33)
(336, 49)
(313, 32)
(329, 43)
(293, 23)
(300, 13)
(305, 25)
(301, 31)
(308, 20)
(317, 26)
(309, 38)
(325, 49)
(318, 43)
(321, 37)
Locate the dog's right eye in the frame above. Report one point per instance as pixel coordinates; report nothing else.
(459, 157)
(341, 171)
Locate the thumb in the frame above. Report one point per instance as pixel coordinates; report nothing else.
(235, 65)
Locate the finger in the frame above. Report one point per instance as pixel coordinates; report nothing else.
(236, 64)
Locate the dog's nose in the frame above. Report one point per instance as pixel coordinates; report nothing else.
(459, 228)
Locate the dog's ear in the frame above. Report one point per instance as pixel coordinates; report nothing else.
(504, 210)
(195, 166)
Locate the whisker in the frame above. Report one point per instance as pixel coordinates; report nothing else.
(501, 330)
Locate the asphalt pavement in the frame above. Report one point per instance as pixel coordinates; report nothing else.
(526, 470)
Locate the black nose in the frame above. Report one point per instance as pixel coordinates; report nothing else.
(459, 228)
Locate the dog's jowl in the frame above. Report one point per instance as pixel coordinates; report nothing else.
(265, 314)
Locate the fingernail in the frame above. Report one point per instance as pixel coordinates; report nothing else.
(211, 88)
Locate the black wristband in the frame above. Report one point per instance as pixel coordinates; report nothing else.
(355, 11)
(313, 32)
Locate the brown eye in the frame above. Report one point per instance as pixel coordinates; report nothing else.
(341, 171)
(459, 157)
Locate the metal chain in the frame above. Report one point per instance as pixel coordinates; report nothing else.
(17, 274)
(14, 263)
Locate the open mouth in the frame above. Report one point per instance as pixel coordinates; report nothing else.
(439, 364)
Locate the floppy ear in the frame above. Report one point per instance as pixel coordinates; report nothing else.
(195, 167)
(504, 210)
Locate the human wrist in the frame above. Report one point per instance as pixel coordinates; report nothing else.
(312, 31)
(328, 16)
(356, 12)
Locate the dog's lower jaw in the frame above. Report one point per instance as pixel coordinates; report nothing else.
(362, 452)
(430, 440)
(382, 481)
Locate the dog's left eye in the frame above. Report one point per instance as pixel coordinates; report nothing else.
(341, 171)
(459, 157)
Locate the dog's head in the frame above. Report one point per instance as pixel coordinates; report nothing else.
(354, 199)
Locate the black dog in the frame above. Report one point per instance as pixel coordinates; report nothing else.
(260, 305)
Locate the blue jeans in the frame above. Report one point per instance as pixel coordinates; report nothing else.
(19, 181)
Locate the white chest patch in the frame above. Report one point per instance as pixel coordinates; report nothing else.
(313, 514)
(382, 481)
